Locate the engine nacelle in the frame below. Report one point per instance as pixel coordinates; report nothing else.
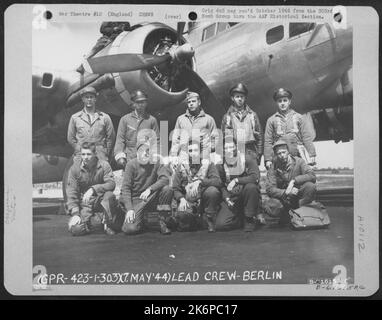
(144, 39)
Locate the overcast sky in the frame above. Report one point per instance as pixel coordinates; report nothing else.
(62, 47)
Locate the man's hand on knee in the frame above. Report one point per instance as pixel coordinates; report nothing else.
(288, 190)
(130, 216)
(232, 184)
(88, 194)
(144, 195)
(294, 191)
(183, 205)
(192, 189)
(77, 227)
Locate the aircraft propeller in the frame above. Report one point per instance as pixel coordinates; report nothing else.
(170, 70)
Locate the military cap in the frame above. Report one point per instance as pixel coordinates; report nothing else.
(88, 90)
(191, 94)
(138, 95)
(279, 143)
(279, 93)
(239, 88)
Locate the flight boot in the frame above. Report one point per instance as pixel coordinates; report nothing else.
(249, 224)
(109, 231)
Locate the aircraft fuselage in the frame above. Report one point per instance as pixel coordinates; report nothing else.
(310, 64)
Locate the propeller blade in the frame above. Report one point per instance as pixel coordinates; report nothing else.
(179, 32)
(123, 62)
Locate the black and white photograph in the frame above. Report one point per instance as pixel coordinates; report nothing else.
(193, 153)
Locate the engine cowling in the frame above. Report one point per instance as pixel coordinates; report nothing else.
(115, 92)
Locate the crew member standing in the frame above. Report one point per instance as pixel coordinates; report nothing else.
(91, 125)
(193, 125)
(243, 123)
(135, 128)
(290, 126)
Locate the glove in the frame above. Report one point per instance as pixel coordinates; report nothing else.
(122, 163)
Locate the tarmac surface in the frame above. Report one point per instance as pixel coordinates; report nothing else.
(271, 254)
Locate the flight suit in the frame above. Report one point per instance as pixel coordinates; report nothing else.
(249, 122)
(245, 195)
(102, 206)
(290, 127)
(208, 198)
(127, 135)
(278, 178)
(99, 131)
(136, 179)
(184, 126)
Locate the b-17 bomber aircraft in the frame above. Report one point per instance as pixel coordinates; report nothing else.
(312, 60)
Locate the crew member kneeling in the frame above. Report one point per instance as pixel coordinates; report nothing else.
(144, 187)
(196, 188)
(241, 192)
(91, 201)
(290, 183)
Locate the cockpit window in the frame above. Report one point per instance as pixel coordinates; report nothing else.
(222, 26)
(275, 34)
(209, 32)
(297, 28)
